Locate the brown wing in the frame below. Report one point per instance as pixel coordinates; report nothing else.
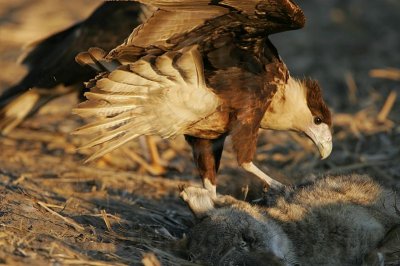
(178, 18)
(180, 5)
(171, 19)
(280, 15)
(165, 24)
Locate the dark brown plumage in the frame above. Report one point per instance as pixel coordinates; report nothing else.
(317, 106)
(51, 61)
(205, 69)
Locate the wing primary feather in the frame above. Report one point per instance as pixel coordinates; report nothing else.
(157, 95)
(119, 85)
(103, 108)
(108, 123)
(115, 139)
(96, 59)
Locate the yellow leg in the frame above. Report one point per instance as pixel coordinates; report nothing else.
(155, 159)
(155, 166)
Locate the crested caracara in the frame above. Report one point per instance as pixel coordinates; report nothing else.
(205, 69)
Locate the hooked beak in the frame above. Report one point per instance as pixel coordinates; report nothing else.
(322, 137)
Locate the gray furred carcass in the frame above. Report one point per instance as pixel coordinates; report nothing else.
(337, 220)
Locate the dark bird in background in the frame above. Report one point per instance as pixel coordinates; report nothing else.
(205, 69)
(51, 61)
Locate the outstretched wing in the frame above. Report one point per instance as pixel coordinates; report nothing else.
(178, 18)
(160, 95)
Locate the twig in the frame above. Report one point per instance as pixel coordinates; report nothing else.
(390, 100)
(170, 257)
(389, 73)
(352, 86)
(108, 215)
(139, 160)
(24, 239)
(19, 180)
(54, 206)
(89, 263)
(65, 219)
(106, 221)
(149, 259)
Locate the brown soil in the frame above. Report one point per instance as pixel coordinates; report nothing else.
(56, 210)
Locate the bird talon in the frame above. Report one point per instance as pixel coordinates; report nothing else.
(199, 200)
(277, 186)
(182, 187)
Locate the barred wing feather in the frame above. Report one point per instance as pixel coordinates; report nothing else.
(161, 95)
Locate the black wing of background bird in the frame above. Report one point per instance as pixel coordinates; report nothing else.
(51, 61)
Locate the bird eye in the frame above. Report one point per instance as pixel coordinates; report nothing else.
(248, 240)
(317, 120)
(243, 244)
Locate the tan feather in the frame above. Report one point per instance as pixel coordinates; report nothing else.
(119, 86)
(16, 111)
(84, 58)
(96, 58)
(97, 126)
(103, 108)
(190, 65)
(164, 24)
(142, 98)
(130, 78)
(113, 97)
(144, 69)
(110, 146)
(118, 134)
(247, 6)
(147, 12)
(165, 66)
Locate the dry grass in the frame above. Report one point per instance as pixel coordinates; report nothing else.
(54, 209)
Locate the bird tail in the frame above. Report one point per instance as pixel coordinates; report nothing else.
(19, 102)
(18, 108)
(10, 93)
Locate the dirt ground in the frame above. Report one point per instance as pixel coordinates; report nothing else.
(56, 210)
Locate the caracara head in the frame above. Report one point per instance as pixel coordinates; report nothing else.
(299, 106)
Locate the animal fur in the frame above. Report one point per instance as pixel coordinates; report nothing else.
(338, 220)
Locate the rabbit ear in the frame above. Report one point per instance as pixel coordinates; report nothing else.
(199, 200)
